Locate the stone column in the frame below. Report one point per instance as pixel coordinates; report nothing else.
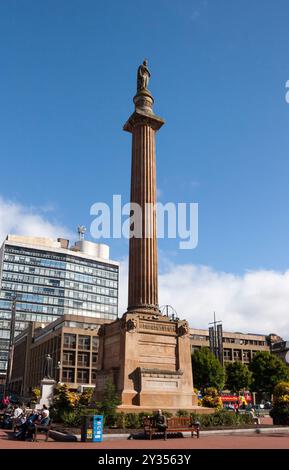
(143, 262)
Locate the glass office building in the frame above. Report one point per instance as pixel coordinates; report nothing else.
(50, 279)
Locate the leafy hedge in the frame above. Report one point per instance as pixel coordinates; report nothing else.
(280, 415)
(222, 418)
(135, 420)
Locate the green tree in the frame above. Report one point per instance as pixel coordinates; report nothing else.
(267, 370)
(207, 370)
(212, 398)
(36, 394)
(280, 410)
(85, 397)
(238, 376)
(110, 401)
(64, 399)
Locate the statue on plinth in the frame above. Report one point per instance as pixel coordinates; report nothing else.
(48, 374)
(143, 76)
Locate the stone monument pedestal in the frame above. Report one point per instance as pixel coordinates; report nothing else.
(148, 359)
(47, 392)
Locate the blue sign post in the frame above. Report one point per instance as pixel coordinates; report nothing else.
(97, 428)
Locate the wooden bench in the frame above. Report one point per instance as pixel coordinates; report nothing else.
(181, 424)
(40, 428)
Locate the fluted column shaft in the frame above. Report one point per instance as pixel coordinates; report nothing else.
(143, 262)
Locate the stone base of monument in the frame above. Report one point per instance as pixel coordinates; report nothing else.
(148, 358)
(173, 410)
(47, 392)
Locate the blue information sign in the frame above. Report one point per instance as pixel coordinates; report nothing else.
(97, 427)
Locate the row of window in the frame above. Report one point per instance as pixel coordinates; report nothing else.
(244, 341)
(230, 340)
(79, 303)
(5, 334)
(237, 356)
(54, 256)
(78, 308)
(26, 262)
(200, 337)
(69, 341)
(236, 353)
(19, 326)
(85, 278)
(3, 366)
(4, 345)
(83, 359)
(58, 292)
(35, 261)
(23, 278)
(82, 376)
(74, 324)
(29, 317)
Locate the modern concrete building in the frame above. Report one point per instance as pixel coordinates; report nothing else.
(236, 346)
(72, 342)
(281, 349)
(51, 279)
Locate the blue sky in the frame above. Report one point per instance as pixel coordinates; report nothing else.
(219, 68)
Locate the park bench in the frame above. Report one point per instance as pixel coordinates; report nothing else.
(40, 428)
(174, 425)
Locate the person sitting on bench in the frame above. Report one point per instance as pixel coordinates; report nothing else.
(256, 419)
(160, 422)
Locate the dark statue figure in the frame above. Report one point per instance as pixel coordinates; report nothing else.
(143, 75)
(48, 367)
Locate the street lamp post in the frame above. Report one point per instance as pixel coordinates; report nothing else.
(11, 344)
(59, 368)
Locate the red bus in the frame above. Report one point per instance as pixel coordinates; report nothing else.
(231, 400)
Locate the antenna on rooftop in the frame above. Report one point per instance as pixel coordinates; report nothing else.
(81, 231)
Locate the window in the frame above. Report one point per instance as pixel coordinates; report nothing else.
(83, 376)
(68, 375)
(94, 343)
(227, 354)
(237, 355)
(83, 359)
(68, 358)
(69, 341)
(93, 375)
(246, 356)
(83, 342)
(94, 359)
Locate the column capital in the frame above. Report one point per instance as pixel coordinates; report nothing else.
(141, 118)
(143, 114)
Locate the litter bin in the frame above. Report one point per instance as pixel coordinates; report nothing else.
(91, 428)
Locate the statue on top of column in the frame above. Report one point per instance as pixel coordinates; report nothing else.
(143, 75)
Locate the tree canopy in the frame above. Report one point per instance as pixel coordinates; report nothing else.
(267, 370)
(109, 402)
(238, 376)
(207, 370)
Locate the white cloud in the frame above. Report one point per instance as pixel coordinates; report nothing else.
(256, 302)
(20, 220)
